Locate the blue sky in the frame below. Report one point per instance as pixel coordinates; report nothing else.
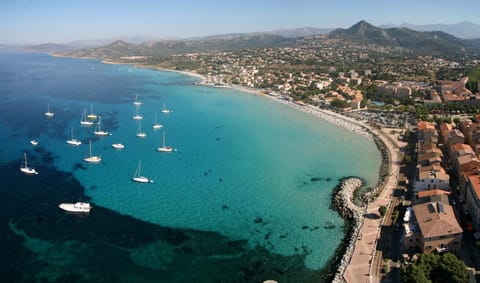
(60, 21)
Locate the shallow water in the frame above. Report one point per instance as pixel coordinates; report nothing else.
(246, 193)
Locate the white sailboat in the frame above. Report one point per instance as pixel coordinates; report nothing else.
(48, 113)
(78, 207)
(136, 102)
(92, 116)
(156, 125)
(98, 130)
(92, 158)
(140, 134)
(72, 140)
(137, 177)
(165, 148)
(34, 142)
(165, 110)
(137, 115)
(118, 146)
(24, 166)
(83, 120)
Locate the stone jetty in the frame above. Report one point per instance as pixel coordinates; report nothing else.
(343, 202)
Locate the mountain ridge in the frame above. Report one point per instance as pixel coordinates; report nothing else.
(422, 43)
(426, 42)
(463, 30)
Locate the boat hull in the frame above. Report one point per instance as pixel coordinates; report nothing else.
(101, 133)
(78, 207)
(118, 146)
(74, 142)
(29, 171)
(141, 179)
(165, 149)
(93, 159)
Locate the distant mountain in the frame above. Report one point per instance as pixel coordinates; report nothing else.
(299, 32)
(465, 30)
(171, 47)
(104, 41)
(288, 33)
(47, 47)
(431, 43)
(363, 33)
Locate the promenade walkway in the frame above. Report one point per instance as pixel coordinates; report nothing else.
(361, 266)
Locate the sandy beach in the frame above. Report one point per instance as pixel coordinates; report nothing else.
(356, 262)
(358, 259)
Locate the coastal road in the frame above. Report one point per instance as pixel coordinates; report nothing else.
(365, 261)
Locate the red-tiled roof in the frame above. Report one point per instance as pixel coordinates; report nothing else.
(436, 219)
(437, 192)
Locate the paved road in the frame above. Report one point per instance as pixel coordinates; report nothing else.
(364, 255)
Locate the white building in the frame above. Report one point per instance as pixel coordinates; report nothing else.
(431, 180)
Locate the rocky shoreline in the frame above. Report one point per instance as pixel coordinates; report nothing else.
(342, 201)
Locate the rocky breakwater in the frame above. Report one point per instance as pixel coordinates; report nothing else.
(353, 214)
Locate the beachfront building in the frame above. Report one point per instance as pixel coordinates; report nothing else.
(454, 136)
(428, 154)
(475, 140)
(430, 173)
(427, 132)
(464, 163)
(432, 196)
(473, 199)
(456, 92)
(444, 130)
(431, 177)
(467, 127)
(433, 227)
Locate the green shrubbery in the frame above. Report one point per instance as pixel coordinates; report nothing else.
(435, 268)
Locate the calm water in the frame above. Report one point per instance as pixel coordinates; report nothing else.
(245, 196)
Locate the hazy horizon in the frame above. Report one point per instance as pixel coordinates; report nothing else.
(50, 21)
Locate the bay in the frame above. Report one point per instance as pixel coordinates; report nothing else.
(245, 167)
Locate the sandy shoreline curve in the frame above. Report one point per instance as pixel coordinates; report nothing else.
(354, 262)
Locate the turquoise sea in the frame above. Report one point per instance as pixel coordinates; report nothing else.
(244, 198)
